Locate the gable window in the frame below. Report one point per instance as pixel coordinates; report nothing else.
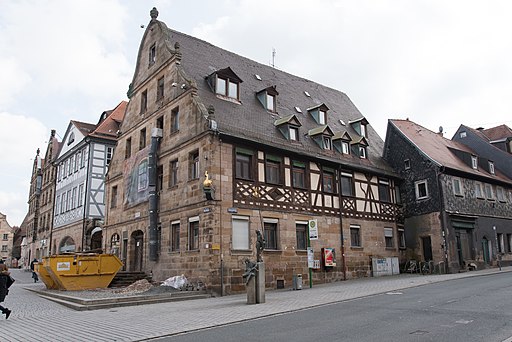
(421, 189)
(300, 233)
(328, 180)
(270, 233)
(298, 174)
(388, 237)
(143, 101)
(407, 164)
(175, 120)
(113, 197)
(194, 165)
(175, 236)
(347, 185)
(355, 235)
(243, 164)
(193, 233)
(128, 149)
(173, 177)
(152, 54)
(142, 175)
(489, 194)
(142, 139)
(478, 190)
(491, 168)
(474, 162)
(384, 194)
(160, 89)
(273, 169)
(457, 188)
(240, 234)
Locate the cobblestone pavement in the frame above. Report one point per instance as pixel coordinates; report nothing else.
(37, 319)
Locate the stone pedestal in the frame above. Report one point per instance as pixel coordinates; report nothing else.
(260, 283)
(251, 291)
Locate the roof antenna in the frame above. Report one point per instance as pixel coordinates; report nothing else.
(273, 58)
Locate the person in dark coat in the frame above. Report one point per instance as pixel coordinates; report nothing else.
(32, 267)
(5, 283)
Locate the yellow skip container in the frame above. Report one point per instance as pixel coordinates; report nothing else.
(78, 271)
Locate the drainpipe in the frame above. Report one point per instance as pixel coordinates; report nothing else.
(443, 221)
(340, 200)
(156, 135)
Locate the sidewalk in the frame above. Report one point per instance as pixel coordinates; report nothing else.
(142, 323)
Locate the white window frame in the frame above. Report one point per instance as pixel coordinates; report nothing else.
(500, 194)
(345, 147)
(457, 192)
(491, 168)
(416, 189)
(326, 143)
(362, 152)
(479, 193)
(322, 117)
(489, 194)
(474, 162)
(388, 234)
(294, 133)
(240, 238)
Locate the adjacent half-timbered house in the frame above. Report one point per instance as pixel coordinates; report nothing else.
(82, 162)
(215, 146)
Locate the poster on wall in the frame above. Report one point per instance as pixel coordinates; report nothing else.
(311, 258)
(136, 178)
(329, 257)
(313, 229)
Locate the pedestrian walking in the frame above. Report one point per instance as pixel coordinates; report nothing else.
(5, 282)
(32, 267)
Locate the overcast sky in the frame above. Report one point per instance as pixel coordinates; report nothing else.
(438, 63)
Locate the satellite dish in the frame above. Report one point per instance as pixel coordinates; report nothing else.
(440, 129)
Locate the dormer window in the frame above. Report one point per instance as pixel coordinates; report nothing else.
(474, 162)
(359, 148)
(362, 152)
(359, 126)
(341, 142)
(225, 83)
(491, 168)
(289, 127)
(322, 136)
(319, 113)
(268, 98)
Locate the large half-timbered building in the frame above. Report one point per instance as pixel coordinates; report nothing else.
(215, 146)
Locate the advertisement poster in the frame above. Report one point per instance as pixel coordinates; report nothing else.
(313, 229)
(311, 258)
(329, 257)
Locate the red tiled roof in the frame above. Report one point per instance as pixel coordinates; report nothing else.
(110, 125)
(498, 132)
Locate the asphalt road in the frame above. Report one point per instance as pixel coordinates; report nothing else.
(473, 309)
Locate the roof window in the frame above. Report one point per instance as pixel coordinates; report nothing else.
(360, 126)
(319, 113)
(268, 98)
(225, 83)
(341, 142)
(322, 136)
(289, 127)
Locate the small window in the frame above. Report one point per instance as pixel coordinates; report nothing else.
(80, 195)
(489, 194)
(175, 120)
(273, 170)
(294, 133)
(270, 233)
(221, 86)
(326, 143)
(240, 235)
(73, 199)
(271, 101)
(152, 54)
(500, 194)
(226, 87)
(142, 139)
(384, 193)
(5, 237)
(407, 164)
(474, 162)
(478, 190)
(143, 101)
(243, 169)
(193, 233)
(362, 152)
(301, 229)
(110, 152)
(355, 236)
(388, 237)
(298, 174)
(462, 134)
(345, 148)
(175, 236)
(421, 189)
(160, 89)
(401, 238)
(194, 165)
(347, 185)
(173, 177)
(113, 197)
(457, 188)
(328, 181)
(363, 130)
(128, 150)
(491, 168)
(322, 117)
(160, 123)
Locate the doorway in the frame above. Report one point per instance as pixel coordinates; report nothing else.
(485, 250)
(138, 251)
(427, 248)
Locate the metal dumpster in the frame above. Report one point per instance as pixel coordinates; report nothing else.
(78, 271)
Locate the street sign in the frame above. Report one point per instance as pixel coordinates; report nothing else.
(313, 229)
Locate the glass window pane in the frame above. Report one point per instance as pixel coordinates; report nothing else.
(233, 90)
(220, 88)
(240, 234)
